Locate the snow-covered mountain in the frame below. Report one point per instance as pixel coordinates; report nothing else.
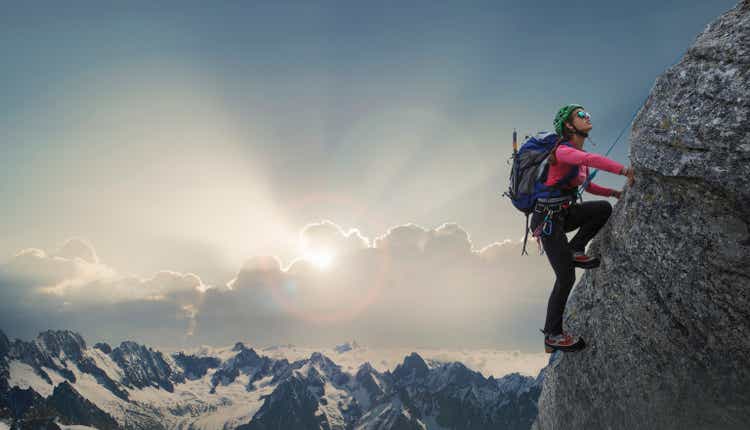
(56, 381)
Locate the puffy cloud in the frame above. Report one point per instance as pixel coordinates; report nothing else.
(74, 263)
(403, 240)
(506, 249)
(70, 285)
(449, 240)
(427, 285)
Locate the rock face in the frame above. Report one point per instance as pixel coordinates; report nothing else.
(62, 343)
(666, 315)
(74, 409)
(144, 367)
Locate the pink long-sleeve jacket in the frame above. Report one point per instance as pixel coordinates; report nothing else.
(568, 157)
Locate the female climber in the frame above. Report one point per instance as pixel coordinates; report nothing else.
(568, 169)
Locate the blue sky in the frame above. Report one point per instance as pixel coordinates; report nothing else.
(190, 137)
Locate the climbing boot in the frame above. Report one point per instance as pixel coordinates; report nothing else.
(584, 261)
(563, 342)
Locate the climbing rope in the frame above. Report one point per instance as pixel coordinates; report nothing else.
(593, 173)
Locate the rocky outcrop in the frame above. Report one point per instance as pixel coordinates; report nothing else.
(103, 347)
(144, 367)
(412, 368)
(292, 405)
(65, 344)
(247, 361)
(88, 365)
(74, 409)
(38, 357)
(457, 397)
(195, 367)
(367, 378)
(666, 314)
(29, 410)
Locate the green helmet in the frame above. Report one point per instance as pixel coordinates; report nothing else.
(562, 116)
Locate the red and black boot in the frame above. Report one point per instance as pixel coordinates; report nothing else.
(584, 261)
(563, 342)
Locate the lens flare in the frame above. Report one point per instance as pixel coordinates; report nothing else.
(322, 259)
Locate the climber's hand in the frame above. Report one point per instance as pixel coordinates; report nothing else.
(631, 176)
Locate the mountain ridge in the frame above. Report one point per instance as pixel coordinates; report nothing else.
(132, 386)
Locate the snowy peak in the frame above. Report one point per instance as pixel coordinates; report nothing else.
(239, 346)
(516, 383)
(144, 367)
(62, 344)
(457, 374)
(370, 380)
(246, 361)
(327, 367)
(365, 367)
(290, 406)
(247, 357)
(103, 347)
(322, 362)
(36, 355)
(413, 367)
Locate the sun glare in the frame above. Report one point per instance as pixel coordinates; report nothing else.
(321, 259)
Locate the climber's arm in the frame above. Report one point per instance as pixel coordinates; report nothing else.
(599, 190)
(570, 155)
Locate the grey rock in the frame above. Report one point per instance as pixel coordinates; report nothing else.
(666, 314)
(103, 347)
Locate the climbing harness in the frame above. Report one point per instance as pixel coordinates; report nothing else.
(549, 207)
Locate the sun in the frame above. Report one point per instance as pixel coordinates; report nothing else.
(322, 259)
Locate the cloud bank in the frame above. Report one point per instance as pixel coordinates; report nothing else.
(412, 286)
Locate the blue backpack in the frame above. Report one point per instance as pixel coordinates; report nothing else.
(529, 172)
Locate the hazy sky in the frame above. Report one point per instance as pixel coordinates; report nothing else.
(192, 137)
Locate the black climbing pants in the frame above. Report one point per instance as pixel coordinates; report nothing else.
(588, 218)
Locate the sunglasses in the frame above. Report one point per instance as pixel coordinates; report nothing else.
(583, 115)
